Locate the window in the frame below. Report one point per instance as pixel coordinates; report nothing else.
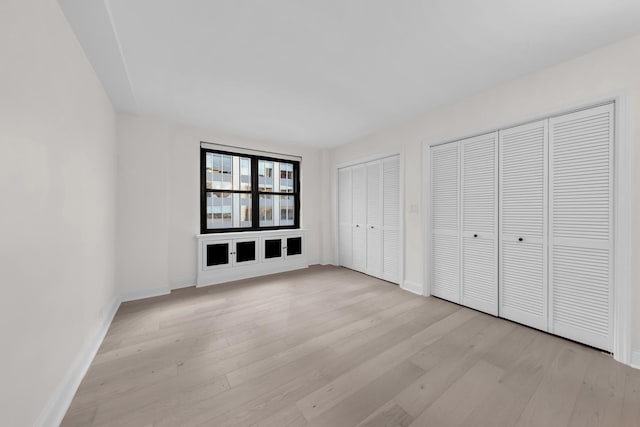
(246, 192)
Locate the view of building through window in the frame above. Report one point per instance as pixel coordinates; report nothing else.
(230, 196)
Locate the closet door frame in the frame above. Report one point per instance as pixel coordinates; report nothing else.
(623, 203)
(413, 287)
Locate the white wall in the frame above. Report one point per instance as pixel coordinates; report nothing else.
(159, 201)
(57, 217)
(612, 70)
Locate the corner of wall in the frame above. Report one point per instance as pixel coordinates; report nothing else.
(56, 407)
(413, 287)
(635, 359)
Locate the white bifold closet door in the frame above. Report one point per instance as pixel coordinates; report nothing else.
(523, 224)
(479, 222)
(581, 226)
(345, 218)
(391, 209)
(359, 217)
(369, 217)
(445, 267)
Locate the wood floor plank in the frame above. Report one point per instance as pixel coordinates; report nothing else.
(554, 399)
(327, 346)
(464, 396)
(342, 387)
(601, 398)
(358, 406)
(446, 360)
(388, 415)
(522, 377)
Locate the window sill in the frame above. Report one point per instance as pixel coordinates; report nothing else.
(250, 234)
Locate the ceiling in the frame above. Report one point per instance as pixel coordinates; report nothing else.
(326, 72)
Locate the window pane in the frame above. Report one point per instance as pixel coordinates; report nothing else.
(228, 210)
(286, 178)
(287, 210)
(266, 210)
(225, 172)
(265, 175)
(245, 174)
(244, 211)
(219, 210)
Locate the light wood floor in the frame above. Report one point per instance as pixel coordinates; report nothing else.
(331, 347)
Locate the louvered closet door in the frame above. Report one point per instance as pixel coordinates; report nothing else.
(345, 217)
(580, 261)
(391, 219)
(445, 281)
(359, 224)
(479, 216)
(374, 219)
(523, 225)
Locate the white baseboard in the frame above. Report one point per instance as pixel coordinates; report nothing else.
(413, 287)
(182, 285)
(57, 406)
(635, 359)
(223, 275)
(147, 293)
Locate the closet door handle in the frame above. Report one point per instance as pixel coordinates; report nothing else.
(357, 225)
(520, 239)
(372, 226)
(475, 235)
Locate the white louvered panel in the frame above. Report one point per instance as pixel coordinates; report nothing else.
(580, 235)
(391, 249)
(445, 279)
(444, 187)
(523, 224)
(374, 251)
(444, 267)
(479, 184)
(359, 254)
(391, 255)
(346, 245)
(524, 289)
(580, 176)
(523, 184)
(391, 191)
(581, 294)
(344, 217)
(374, 194)
(480, 274)
(359, 194)
(344, 196)
(374, 219)
(479, 213)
